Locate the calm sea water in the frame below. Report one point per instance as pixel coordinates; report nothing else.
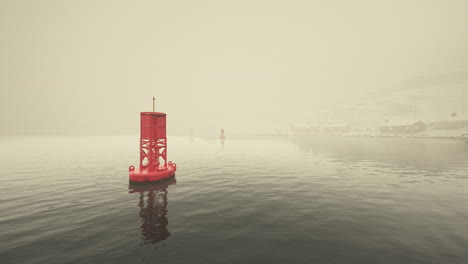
(249, 200)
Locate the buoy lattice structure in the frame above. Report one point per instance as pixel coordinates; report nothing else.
(153, 165)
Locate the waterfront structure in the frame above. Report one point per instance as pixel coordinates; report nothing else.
(336, 128)
(403, 128)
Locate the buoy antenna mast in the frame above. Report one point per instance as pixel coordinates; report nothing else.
(153, 103)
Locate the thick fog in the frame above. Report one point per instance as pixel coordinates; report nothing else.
(250, 67)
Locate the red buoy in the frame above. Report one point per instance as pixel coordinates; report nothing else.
(221, 134)
(153, 150)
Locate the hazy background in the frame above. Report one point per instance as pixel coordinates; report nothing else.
(89, 67)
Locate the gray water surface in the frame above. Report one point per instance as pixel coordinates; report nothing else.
(250, 200)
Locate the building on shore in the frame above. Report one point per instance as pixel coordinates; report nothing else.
(336, 128)
(448, 128)
(403, 128)
(448, 125)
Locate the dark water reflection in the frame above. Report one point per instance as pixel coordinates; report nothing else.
(251, 200)
(152, 201)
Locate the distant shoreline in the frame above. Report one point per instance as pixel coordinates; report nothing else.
(368, 136)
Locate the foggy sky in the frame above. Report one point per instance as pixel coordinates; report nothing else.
(84, 67)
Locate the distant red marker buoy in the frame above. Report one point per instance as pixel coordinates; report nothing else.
(221, 134)
(153, 150)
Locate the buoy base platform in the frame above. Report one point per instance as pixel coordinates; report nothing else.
(154, 186)
(144, 176)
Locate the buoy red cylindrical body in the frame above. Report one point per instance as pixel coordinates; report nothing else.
(153, 150)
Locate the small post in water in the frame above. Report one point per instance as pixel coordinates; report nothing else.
(153, 103)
